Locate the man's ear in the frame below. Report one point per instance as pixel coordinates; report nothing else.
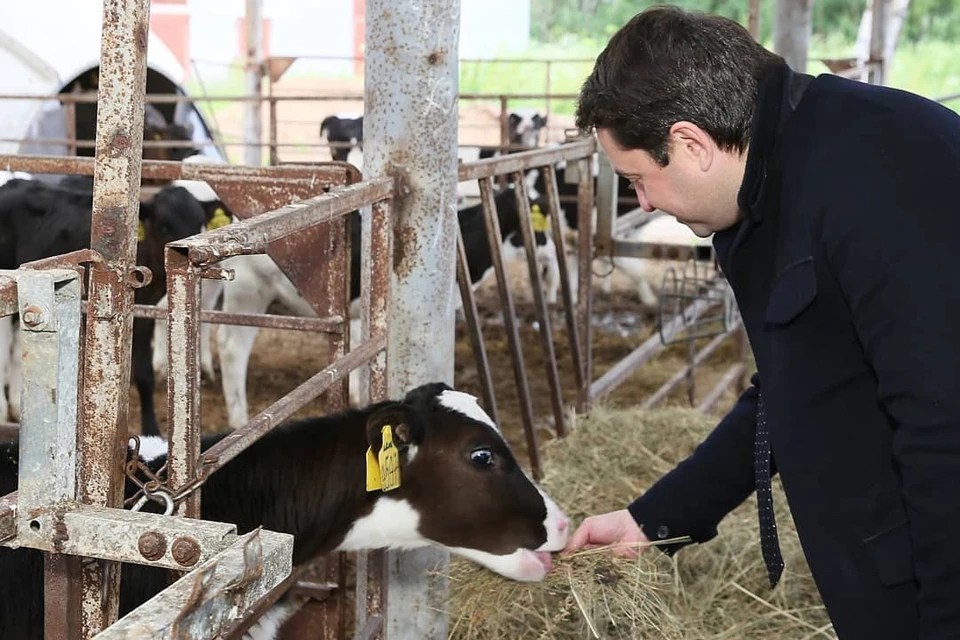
(404, 428)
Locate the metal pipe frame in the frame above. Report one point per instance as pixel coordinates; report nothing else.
(186, 259)
(512, 166)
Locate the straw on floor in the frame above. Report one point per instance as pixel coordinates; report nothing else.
(718, 590)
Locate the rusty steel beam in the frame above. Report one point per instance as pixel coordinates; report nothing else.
(254, 234)
(474, 332)
(526, 160)
(126, 536)
(101, 441)
(543, 316)
(231, 446)
(331, 324)
(183, 378)
(318, 176)
(569, 306)
(585, 274)
(205, 601)
(495, 242)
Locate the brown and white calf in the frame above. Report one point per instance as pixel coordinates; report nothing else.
(461, 489)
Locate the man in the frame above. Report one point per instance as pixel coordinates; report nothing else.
(835, 212)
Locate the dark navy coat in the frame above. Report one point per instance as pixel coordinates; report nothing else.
(845, 271)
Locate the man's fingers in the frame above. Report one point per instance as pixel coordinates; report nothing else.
(579, 537)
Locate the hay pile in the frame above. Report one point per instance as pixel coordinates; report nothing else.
(718, 590)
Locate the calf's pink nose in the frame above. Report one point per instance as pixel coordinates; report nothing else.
(563, 524)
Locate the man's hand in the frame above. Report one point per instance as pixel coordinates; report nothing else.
(617, 528)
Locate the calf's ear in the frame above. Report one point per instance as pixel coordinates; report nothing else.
(405, 429)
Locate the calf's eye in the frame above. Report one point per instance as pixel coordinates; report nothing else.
(481, 457)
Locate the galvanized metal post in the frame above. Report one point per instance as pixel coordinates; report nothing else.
(253, 74)
(410, 127)
(101, 440)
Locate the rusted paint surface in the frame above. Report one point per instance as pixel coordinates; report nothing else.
(543, 316)
(210, 598)
(318, 176)
(232, 445)
(585, 273)
(569, 307)
(332, 324)
(526, 160)
(183, 379)
(495, 241)
(106, 373)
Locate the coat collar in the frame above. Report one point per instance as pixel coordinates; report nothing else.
(779, 94)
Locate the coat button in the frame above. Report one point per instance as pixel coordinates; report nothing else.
(663, 531)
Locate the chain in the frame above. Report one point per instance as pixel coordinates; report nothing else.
(156, 489)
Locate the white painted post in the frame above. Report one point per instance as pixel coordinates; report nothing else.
(410, 131)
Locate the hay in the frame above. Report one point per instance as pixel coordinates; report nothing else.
(718, 590)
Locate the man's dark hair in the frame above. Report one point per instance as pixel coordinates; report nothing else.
(668, 65)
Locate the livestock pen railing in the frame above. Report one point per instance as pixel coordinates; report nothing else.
(310, 241)
(688, 307)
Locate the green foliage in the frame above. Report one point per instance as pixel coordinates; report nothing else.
(552, 19)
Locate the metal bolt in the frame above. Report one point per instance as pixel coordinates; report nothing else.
(152, 545)
(186, 551)
(32, 316)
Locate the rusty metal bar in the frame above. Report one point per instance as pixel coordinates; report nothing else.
(372, 628)
(495, 242)
(236, 630)
(325, 175)
(606, 204)
(584, 273)
(526, 160)
(125, 536)
(475, 333)
(660, 394)
(102, 435)
(332, 324)
(253, 235)
(183, 379)
(231, 446)
(573, 333)
(650, 348)
(728, 380)
(9, 431)
(208, 599)
(70, 114)
(170, 98)
(274, 158)
(375, 294)
(536, 283)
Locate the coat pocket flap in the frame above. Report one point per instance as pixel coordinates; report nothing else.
(892, 554)
(793, 291)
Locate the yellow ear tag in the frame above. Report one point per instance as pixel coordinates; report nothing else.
(373, 472)
(219, 219)
(141, 232)
(157, 136)
(389, 461)
(539, 220)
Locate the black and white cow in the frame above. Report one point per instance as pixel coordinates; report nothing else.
(343, 132)
(461, 489)
(258, 283)
(39, 220)
(523, 129)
